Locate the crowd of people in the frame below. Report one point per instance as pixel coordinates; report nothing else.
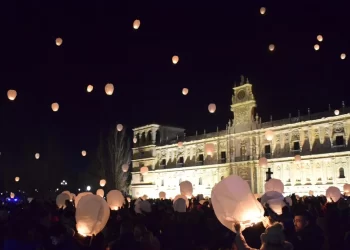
(310, 223)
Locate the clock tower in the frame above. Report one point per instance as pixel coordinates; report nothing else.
(243, 107)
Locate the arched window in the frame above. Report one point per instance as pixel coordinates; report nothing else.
(341, 173)
(141, 178)
(180, 180)
(200, 181)
(162, 184)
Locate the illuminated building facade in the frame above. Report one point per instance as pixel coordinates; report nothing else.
(322, 141)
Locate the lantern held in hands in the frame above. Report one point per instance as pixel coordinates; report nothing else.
(333, 194)
(79, 196)
(274, 185)
(162, 195)
(181, 196)
(115, 199)
(186, 189)
(100, 192)
(180, 205)
(61, 200)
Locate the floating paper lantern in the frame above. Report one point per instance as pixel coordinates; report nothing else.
(269, 135)
(181, 196)
(336, 112)
(12, 195)
(346, 188)
(134, 140)
(55, 106)
(262, 10)
(185, 91)
(119, 127)
(316, 47)
(311, 193)
(115, 199)
(212, 108)
(297, 158)
(209, 149)
(186, 189)
(343, 56)
(320, 38)
(333, 194)
(11, 94)
(263, 162)
(136, 24)
(91, 215)
(83, 153)
(275, 201)
(103, 182)
(125, 168)
(180, 144)
(109, 89)
(175, 59)
(59, 41)
(144, 170)
(271, 47)
(233, 201)
(37, 156)
(100, 192)
(61, 200)
(79, 196)
(89, 88)
(162, 195)
(274, 185)
(17, 179)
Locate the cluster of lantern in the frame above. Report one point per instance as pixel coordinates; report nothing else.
(109, 89)
(212, 108)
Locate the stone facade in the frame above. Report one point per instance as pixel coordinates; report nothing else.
(321, 139)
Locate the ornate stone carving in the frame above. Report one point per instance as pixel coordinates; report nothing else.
(338, 128)
(242, 115)
(295, 135)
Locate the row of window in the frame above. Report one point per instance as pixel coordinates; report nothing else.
(200, 159)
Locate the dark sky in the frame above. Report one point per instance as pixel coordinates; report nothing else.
(216, 43)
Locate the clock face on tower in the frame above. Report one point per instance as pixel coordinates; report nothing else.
(241, 95)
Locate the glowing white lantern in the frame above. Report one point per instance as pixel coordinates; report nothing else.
(233, 201)
(37, 156)
(262, 10)
(180, 144)
(61, 200)
(180, 205)
(119, 127)
(185, 91)
(275, 201)
(186, 189)
(11, 94)
(263, 162)
(103, 182)
(271, 47)
(89, 88)
(115, 199)
(209, 149)
(88, 188)
(17, 179)
(91, 215)
(125, 168)
(83, 153)
(79, 196)
(336, 112)
(212, 107)
(311, 193)
(59, 41)
(346, 188)
(316, 47)
(134, 140)
(320, 38)
(100, 192)
(343, 56)
(12, 195)
(144, 170)
(162, 195)
(274, 185)
(297, 158)
(55, 106)
(175, 59)
(333, 194)
(181, 196)
(109, 89)
(269, 135)
(136, 24)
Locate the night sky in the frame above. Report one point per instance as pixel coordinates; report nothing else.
(216, 42)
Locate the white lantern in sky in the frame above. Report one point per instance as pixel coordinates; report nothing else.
(17, 179)
(109, 89)
(61, 200)
(55, 106)
(209, 149)
(119, 127)
(233, 201)
(320, 38)
(263, 162)
(297, 158)
(136, 24)
(59, 41)
(11, 94)
(37, 156)
(333, 194)
(83, 153)
(115, 199)
(175, 59)
(212, 108)
(186, 189)
(125, 168)
(274, 185)
(271, 47)
(100, 192)
(185, 91)
(316, 47)
(103, 182)
(336, 112)
(343, 56)
(162, 195)
(346, 189)
(88, 188)
(12, 195)
(269, 135)
(180, 144)
(262, 10)
(134, 140)
(89, 88)
(144, 170)
(92, 214)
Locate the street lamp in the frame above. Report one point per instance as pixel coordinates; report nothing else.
(64, 183)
